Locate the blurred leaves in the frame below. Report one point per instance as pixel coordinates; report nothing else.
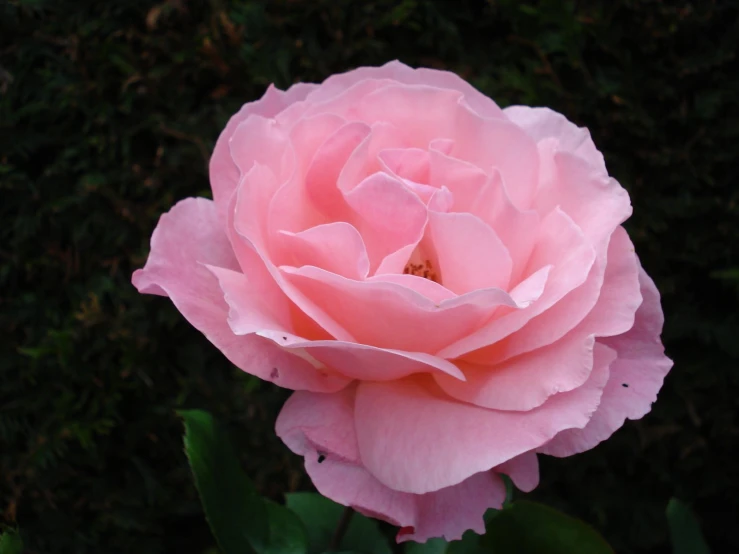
(11, 543)
(321, 517)
(685, 531)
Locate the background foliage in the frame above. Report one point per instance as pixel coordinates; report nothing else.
(108, 112)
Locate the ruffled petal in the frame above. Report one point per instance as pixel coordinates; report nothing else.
(526, 381)
(188, 238)
(635, 378)
(414, 438)
(320, 427)
(224, 174)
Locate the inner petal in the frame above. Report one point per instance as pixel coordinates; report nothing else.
(470, 255)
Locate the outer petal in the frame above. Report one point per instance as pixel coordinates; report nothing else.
(523, 471)
(543, 123)
(414, 438)
(525, 382)
(188, 237)
(321, 428)
(636, 377)
(401, 73)
(224, 174)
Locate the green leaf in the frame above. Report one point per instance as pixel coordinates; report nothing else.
(527, 527)
(685, 531)
(236, 514)
(320, 517)
(431, 546)
(287, 534)
(11, 543)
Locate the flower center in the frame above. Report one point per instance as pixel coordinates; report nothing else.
(422, 269)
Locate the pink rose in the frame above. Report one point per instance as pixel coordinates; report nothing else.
(445, 284)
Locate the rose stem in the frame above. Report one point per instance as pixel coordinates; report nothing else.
(341, 528)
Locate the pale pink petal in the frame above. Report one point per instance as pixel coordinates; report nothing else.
(387, 215)
(465, 180)
(469, 254)
(250, 207)
(312, 421)
(259, 140)
(323, 173)
(401, 73)
(414, 438)
(499, 144)
(449, 512)
(224, 174)
(187, 238)
(523, 471)
(310, 133)
(526, 381)
(483, 195)
(364, 160)
(388, 315)
(433, 291)
(246, 231)
(336, 247)
(400, 105)
(406, 163)
(595, 202)
(603, 306)
(543, 123)
(320, 427)
(561, 245)
(635, 378)
(359, 361)
(254, 305)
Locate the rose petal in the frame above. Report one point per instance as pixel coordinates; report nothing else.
(400, 105)
(562, 246)
(526, 381)
(499, 144)
(406, 163)
(187, 238)
(359, 361)
(543, 123)
(259, 140)
(321, 428)
(603, 306)
(470, 255)
(388, 215)
(641, 366)
(330, 158)
(596, 203)
(336, 247)
(414, 438)
(401, 73)
(224, 174)
(387, 315)
(523, 471)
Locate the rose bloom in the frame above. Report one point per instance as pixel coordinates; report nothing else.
(445, 284)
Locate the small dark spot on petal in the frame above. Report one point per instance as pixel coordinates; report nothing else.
(275, 373)
(624, 385)
(284, 338)
(321, 458)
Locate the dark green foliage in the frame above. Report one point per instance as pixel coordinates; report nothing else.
(685, 530)
(235, 512)
(108, 112)
(321, 518)
(531, 528)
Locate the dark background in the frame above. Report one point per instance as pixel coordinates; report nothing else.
(108, 114)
